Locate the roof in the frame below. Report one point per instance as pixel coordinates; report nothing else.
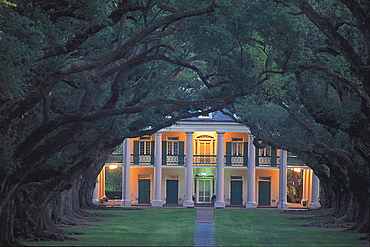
(216, 121)
(212, 117)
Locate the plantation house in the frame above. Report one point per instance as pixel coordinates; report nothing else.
(205, 160)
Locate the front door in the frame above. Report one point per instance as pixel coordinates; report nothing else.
(172, 188)
(204, 190)
(236, 193)
(144, 191)
(264, 191)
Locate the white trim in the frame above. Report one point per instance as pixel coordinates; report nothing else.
(192, 126)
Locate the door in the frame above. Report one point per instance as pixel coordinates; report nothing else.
(236, 193)
(264, 191)
(205, 190)
(205, 150)
(172, 187)
(144, 190)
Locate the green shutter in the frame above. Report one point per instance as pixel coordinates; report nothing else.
(164, 152)
(152, 152)
(136, 153)
(257, 156)
(273, 156)
(181, 153)
(228, 153)
(245, 163)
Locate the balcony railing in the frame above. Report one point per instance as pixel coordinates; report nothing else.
(205, 160)
(274, 161)
(174, 160)
(115, 158)
(267, 161)
(142, 159)
(236, 160)
(294, 161)
(198, 160)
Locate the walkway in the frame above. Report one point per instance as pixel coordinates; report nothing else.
(204, 231)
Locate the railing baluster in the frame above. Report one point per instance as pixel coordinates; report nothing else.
(210, 160)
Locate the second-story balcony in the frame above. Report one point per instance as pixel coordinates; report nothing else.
(142, 159)
(274, 161)
(294, 161)
(268, 161)
(115, 158)
(236, 160)
(174, 160)
(180, 160)
(206, 160)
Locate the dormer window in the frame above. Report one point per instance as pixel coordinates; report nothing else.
(207, 115)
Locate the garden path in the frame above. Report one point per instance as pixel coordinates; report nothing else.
(204, 227)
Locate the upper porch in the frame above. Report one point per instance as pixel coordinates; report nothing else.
(207, 160)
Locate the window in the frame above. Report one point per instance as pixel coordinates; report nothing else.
(144, 147)
(173, 145)
(264, 151)
(237, 148)
(172, 148)
(205, 145)
(264, 179)
(206, 115)
(236, 177)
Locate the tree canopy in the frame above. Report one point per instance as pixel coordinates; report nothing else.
(318, 108)
(78, 77)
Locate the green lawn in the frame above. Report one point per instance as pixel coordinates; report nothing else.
(266, 227)
(233, 227)
(152, 226)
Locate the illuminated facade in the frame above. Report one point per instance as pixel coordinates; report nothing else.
(206, 160)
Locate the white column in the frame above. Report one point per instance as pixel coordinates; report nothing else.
(126, 193)
(306, 197)
(157, 201)
(282, 179)
(309, 185)
(95, 198)
(220, 200)
(304, 191)
(315, 192)
(189, 171)
(251, 197)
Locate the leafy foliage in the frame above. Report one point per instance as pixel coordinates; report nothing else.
(78, 77)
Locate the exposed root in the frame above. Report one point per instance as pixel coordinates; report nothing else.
(320, 218)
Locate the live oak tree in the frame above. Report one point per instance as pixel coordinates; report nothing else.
(345, 68)
(319, 110)
(78, 78)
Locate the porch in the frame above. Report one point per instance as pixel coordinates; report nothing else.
(204, 160)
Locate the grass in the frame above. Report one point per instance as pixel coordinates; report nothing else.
(176, 227)
(149, 227)
(264, 227)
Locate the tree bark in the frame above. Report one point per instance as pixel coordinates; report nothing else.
(7, 222)
(86, 190)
